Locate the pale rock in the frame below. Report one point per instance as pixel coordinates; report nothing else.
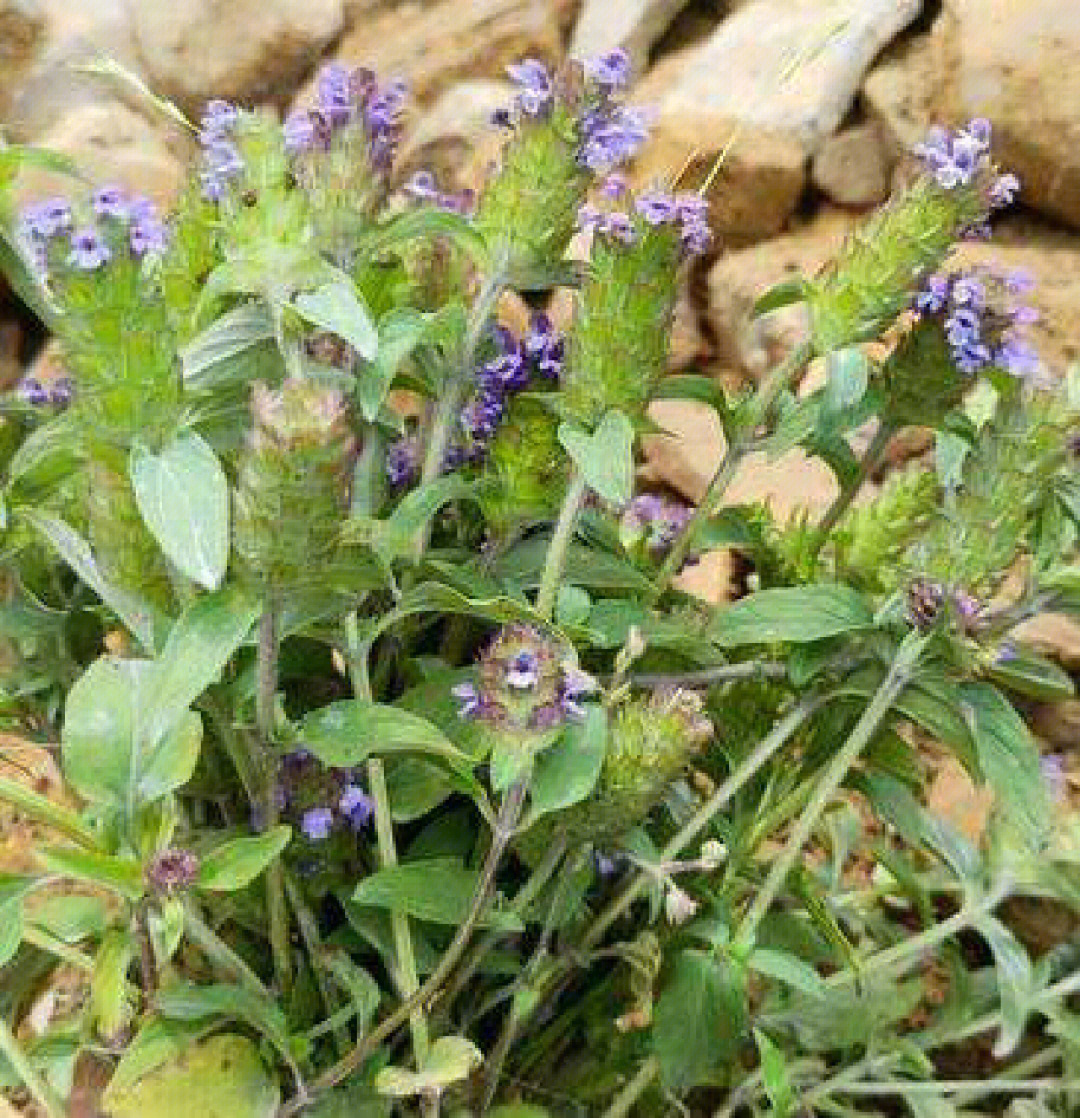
(740, 278)
(1016, 64)
(687, 458)
(633, 25)
(853, 167)
(712, 577)
(954, 797)
(110, 143)
(52, 85)
(1054, 635)
(22, 28)
(1057, 723)
(455, 137)
(246, 50)
(768, 88)
(434, 45)
(904, 92)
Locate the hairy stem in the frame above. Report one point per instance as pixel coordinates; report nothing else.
(624, 1102)
(39, 1090)
(896, 679)
(555, 561)
(722, 673)
(408, 982)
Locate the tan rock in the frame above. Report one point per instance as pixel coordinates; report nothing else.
(22, 28)
(1057, 723)
(245, 50)
(433, 45)
(52, 86)
(688, 457)
(768, 87)
(712, 578)
(853, 168)
(905, 90)
(1055, 635)
(956, 798)
(455, 138)
(740, 278)
(633, 25)
(1015, 63)
(110, 143)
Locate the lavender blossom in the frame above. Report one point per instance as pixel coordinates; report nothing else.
(403, 461)
(523, 671)
(356, 805)
(334, 93)
(219, 119)
(109, 202)
(535, 89)
(316, 823)
(545, 346)
(657, 208)
(32, 392)
(88, 250)
(612, 138)
(652, 521)
(300, 131)
(46, 219)
(60, 393)
(610, 71)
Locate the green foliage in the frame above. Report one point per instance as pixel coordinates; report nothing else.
(354, 820)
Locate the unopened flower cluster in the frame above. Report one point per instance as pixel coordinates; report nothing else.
(652, 523)
(321, 800)
(962, 158)
(686, 213)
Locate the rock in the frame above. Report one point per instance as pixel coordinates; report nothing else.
(1054, 635)
(22, 28)
(853, 167)
(1057, 723)
(52, 86)
(740, 278)
(111, 143)
(245, 50)
(633, 25)
(687, 459)
(954, 797)
(455, 138)
(432, 45)
(1016, 65)
(904, 91)
(712, 578)
(777, 77)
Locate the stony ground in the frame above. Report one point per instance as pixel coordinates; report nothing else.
(814, 102)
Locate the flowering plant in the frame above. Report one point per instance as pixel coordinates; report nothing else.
(399, 768)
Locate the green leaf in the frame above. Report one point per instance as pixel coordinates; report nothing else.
(1015, 984)
(183, 496)
(567, 772)
(121, 875)
(221, 1077)
(423, 224)
(139, 616)
(235, 864)
(1033, 676)
(400, 332)
(1009, 760)
(784, 294)
(25, 282)
(70, 918)
(848, 373)
(436, 889)
(48, 453)
(700, 1020)
(605, 458)
(234, 333)
(13, 889)
(337, 307)
(788, 969)
(795, 614)
(41, 808)
(199, 646)
(157, 1042)
(692, 386)
(449, 1060)
(346, 733)
(774, 1076)
(107, 754)
(414, 788)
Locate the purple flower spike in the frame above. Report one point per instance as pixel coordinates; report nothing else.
(44, 220)
(402, 462)
(657, 208)
(299, 131)
(60, 393)
(316, 823)
(530, 75)
(218, 120)
(356, 805)
(33, 392)
(88, 250)
(334, 93)
(147, 235)
(109, 202)
(615, 186)
(610, 71)
(933, 296)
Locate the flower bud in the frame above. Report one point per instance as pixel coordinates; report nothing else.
(679, 906)
(171, 871)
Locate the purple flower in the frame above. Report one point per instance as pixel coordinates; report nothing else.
(218, 121)
(1004, 190)
(44, 220)
(299, 131)
(612, 139)
(32, 392)
(955, 159)
(523, 671)
(574, 685)
(535, 91)
(615, 186)
(316, 823)
(223, 164)
(60, 392)
(334, 93)
(481, 415)
(1018, 357)
(546, 347)
(657, 208)
(402, 461)
(606, 864)
(109, 202)
(934, 295)
(1052, 766)
(422, 186)
(88, 249)
(611, 70)
(469, 699)
(356, 805)
(147, 234)
(969, 291)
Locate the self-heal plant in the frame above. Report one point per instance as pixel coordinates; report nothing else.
(399, 773)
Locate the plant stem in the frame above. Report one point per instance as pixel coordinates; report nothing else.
(219, 952)
(624, 1101)
(722, 673)
(848, 492)
(266, 670)
(775, 740)
(16, 1057)
(740, 445)
(408, 981)
(896, 679)
(505, 825)
(560, 543)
